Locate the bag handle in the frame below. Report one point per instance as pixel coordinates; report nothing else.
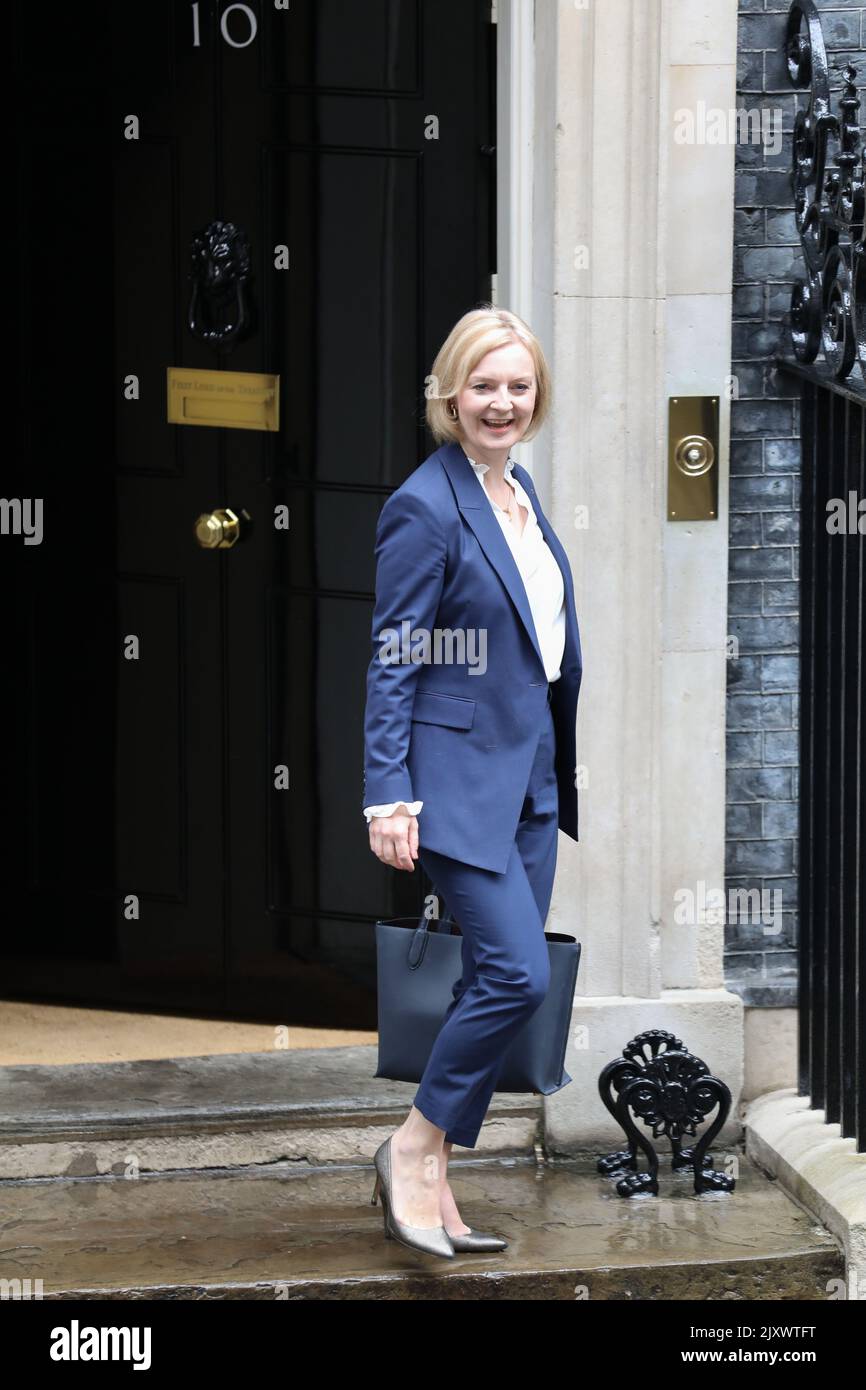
(421, 935)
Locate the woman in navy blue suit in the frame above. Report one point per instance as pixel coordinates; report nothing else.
(470, 737)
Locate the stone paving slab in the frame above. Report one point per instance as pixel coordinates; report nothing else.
(292, 1232)
(317, 1105)
(40, 1099)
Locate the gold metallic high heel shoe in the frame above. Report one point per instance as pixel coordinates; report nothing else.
(432, 1240)
(477, 1240)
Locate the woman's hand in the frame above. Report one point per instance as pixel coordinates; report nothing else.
(394, 839)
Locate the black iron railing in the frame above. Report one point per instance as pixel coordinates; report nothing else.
(828, 317)
(832, 794)
(828, 307)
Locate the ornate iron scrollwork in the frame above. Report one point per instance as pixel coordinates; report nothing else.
(673, 1092)
(220, 269)
(828, 310)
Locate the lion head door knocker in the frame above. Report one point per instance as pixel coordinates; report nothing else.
(220, 268)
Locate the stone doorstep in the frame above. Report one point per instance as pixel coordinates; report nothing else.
(794, 1144)
(315, 1106)
(309, 1234)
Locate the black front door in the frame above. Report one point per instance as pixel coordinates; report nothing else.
(184, 724)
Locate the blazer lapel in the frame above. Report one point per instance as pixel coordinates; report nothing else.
(558, 550)
(478, 513)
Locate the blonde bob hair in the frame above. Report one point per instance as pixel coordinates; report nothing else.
(480, 331)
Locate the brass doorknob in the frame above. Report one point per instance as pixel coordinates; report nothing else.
(218, 530)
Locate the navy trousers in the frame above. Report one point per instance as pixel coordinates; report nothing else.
(506, 966)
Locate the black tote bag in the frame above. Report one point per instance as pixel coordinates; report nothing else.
(417, 967)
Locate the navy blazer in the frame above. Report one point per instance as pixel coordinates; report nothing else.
(442, 729)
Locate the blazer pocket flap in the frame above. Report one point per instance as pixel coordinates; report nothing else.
(432, 708)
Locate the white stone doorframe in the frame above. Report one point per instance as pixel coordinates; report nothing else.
(515, 85)
(616, 245)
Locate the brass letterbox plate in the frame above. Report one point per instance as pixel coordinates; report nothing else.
(229, 400)
(693, 458)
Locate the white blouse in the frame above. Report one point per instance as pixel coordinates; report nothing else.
(545, 590)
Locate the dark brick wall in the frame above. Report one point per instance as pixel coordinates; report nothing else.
(763, 602)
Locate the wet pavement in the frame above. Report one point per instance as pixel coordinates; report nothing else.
(288, 1230)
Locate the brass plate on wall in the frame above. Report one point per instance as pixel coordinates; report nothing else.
(693, 458)
(228, 400)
